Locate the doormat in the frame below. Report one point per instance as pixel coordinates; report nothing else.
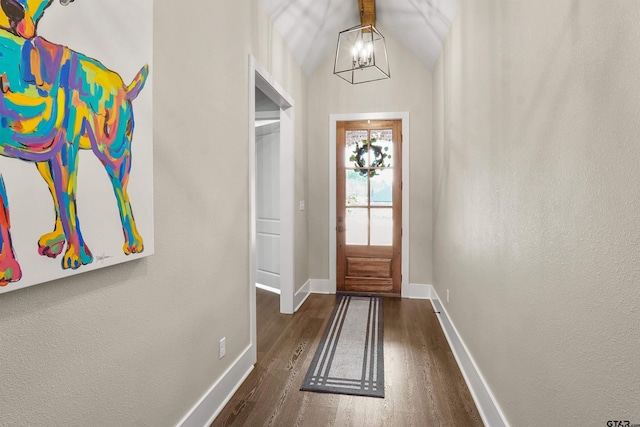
(350, 356)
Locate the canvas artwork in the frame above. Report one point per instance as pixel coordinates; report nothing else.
(75, 137)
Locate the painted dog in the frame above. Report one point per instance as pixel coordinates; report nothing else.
(54, 102)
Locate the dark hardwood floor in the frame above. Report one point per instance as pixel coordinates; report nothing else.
(423, 385)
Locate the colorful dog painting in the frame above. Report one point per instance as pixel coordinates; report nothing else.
(54, 102)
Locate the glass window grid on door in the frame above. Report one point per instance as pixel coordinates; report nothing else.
(369, 157)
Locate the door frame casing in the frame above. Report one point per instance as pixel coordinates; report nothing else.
(259, 77)
(333, 120)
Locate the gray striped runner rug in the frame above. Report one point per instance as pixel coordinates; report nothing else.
(350, 356)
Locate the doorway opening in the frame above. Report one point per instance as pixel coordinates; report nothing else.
(271, 191)
(267, 130)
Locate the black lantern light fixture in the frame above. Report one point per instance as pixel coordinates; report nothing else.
(361, 54)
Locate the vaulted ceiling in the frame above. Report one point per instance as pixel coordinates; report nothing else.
(311, 27)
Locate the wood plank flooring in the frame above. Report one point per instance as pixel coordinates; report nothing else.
(423, 385)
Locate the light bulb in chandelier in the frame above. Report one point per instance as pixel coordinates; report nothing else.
(362, 54)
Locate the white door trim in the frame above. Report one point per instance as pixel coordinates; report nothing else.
(333, 119)
(260, 78)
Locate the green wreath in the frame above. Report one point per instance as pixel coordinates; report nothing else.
(359, 159)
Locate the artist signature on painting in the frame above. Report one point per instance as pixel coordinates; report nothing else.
(103, 257)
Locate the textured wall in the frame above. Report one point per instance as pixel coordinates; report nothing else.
(536, 201)
(137, 344)
(409, 89)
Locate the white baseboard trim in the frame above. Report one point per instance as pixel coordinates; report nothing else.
(322, 286)
(490, 411)
(413, 290)
(301, 296)
(213, 401)
(267, 288)
(417, 291)
(268, 279)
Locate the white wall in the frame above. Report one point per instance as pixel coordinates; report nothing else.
(137, 344)
(536, 201)
(409, 89)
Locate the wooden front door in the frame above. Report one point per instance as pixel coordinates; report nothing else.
(369, 206)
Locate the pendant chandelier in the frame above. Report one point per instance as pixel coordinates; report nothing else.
(361, 54)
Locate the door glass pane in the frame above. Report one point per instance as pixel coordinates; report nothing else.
(381, 148)
(381, 227)
(355, 151)
(382, 188)
(357, 226)
(356, 191)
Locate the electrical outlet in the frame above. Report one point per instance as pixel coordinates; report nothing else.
(223, 349)
(301, 205)
(447, 295)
